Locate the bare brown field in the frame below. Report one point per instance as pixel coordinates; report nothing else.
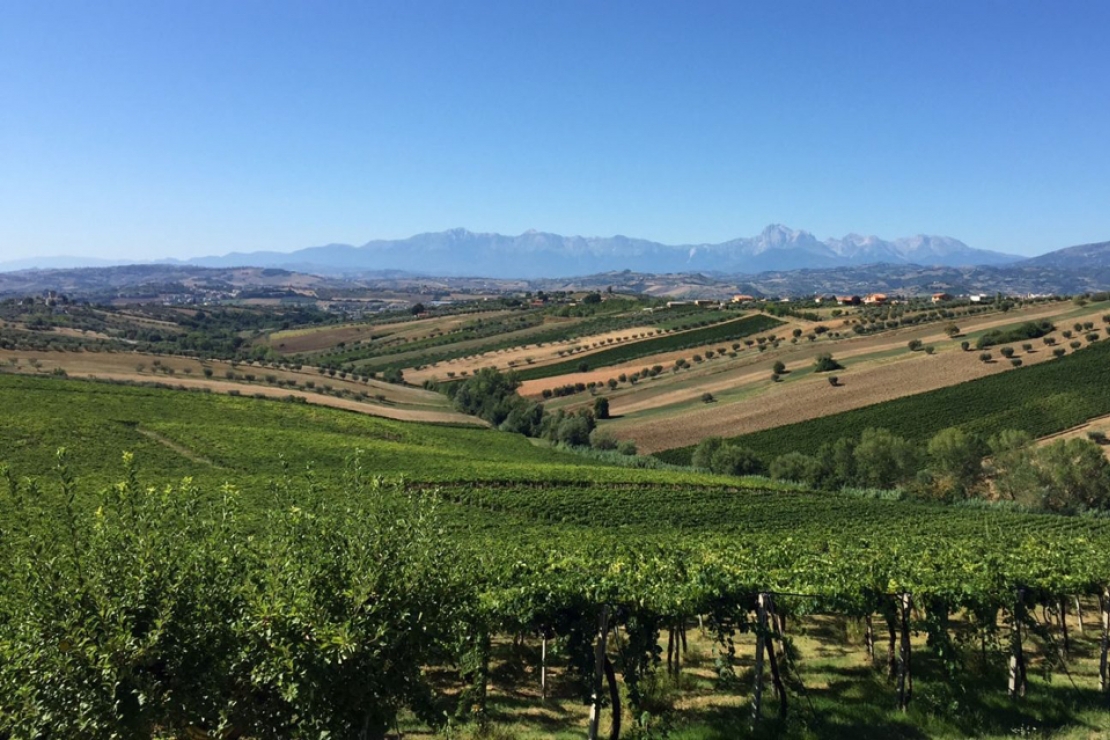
(666, 413)
(519, 356)
(809, 398)
(666, 359)
(296, 341)
(795, 356)
(396, 402)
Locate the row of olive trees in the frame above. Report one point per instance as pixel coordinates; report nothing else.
(175, 612)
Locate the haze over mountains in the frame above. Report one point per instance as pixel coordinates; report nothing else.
(537, 254)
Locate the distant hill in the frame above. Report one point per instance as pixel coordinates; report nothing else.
(1082, 257)
(534, 254)
(56, 263)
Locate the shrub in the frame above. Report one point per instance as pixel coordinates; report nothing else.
(824, 363)
(1015, 361)
(601, 439)
(1007, 352)
(985, 356)
(1028, 330)
(914, 345)
(735, 460)
(707, 397)
(1059, 352)
(834, 380)
(779, 367)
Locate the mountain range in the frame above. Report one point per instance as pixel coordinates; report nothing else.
(539, 255)
(534, 254)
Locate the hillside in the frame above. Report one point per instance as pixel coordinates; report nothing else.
(533, 540)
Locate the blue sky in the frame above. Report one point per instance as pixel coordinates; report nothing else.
(137, 130)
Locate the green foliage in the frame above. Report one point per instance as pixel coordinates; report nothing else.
(488, 394)
(166, 611)
(1006, 335)
(884, 460)
(825, 363)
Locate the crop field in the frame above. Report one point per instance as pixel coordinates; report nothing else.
(215, 376)
(726, 331)
(1041, 399)
(667, 412)
(622, 321)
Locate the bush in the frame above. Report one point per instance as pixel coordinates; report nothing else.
(602, 439)
(707, 397)
(779, 367)
(914, 345)
(1007, 352)
(735, 460)
(1028, 330)
(703, 453)
(985, 356)
(796, 466)
(601, 407)
(1015, 361)
(824, 363)
(834, 380)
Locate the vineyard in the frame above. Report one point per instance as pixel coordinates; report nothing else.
(722, 332)
(310, 598)
(1040, 399)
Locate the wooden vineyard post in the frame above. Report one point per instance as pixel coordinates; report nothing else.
(760, 646)
(1065, 641)
(543, 665)
(1104, 647)
(891, 617)
(905, 674)
(869, 637)
(772, 658)
(599, 671)
(1017, 658)
(1079, 616)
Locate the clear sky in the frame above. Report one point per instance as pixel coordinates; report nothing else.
(156, 128)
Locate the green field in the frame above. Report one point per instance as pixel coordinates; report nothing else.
(217, 438)
(1040, 399)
